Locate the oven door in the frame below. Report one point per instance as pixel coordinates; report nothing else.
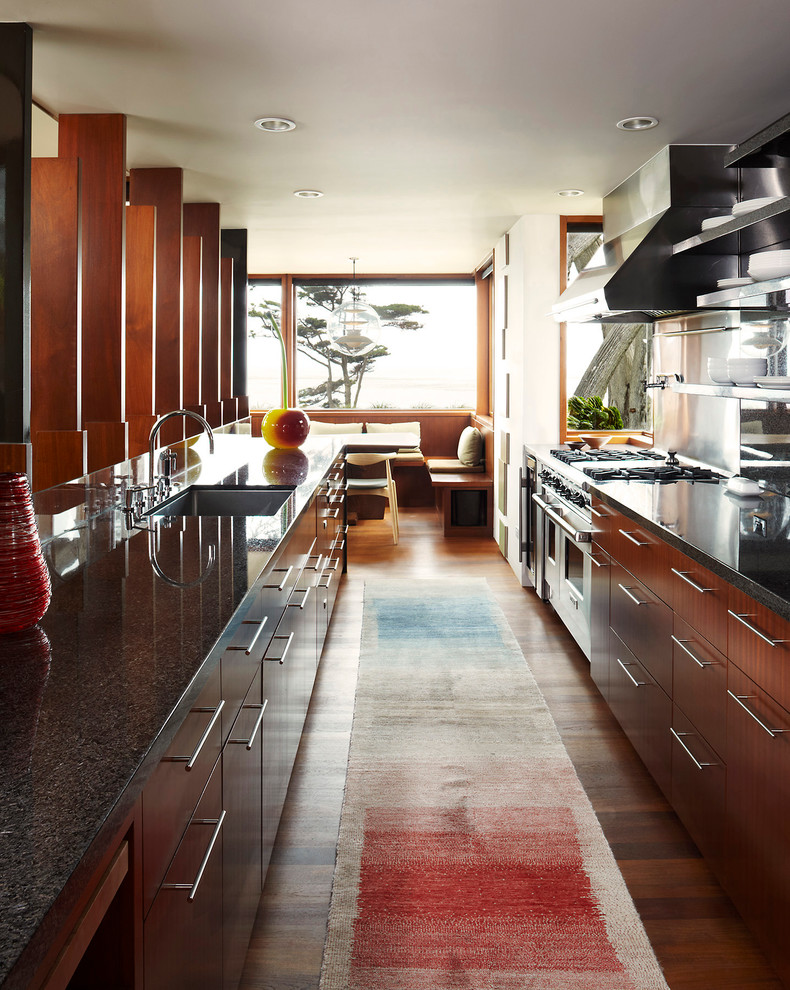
(567, 567)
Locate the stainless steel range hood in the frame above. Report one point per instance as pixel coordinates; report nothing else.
(662, 203)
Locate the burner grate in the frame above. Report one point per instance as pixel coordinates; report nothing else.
(660, 473)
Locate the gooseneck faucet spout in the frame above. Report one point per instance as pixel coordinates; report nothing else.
(158, 426)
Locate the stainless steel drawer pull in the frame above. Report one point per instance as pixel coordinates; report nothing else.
(258, 631)
(325, 577)
(629, 675)
(694, 760)
(193, 887)
(334, 513)
(331, 564)
(740, 698)
(633, 598)
(684, 576)
(595, 512)
(250, 742)
(284, 581)
(339, 544)
(303, 602)
(682, 644)
(284, 654)
(318, 558)
(741, 617)
(633, 539)
(191, 760)
(598, 563)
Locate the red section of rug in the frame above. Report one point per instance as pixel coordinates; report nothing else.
(493, 890)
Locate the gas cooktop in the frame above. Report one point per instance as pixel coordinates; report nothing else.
(657, 473)
(568, 456)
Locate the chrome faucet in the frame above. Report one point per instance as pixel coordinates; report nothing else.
(158, 426)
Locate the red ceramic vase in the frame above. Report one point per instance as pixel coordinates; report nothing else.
(25, 588)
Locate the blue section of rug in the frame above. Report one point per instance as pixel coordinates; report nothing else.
(465, 620)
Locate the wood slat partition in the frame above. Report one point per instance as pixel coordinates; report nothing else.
(162, 188)
(202, 220)
(58, 456)
(15, 457)
(192, 323)
(140, 324)
(99, 141)
(226, 340)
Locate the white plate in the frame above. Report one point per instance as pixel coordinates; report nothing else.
(750, 205)
(765, 381)
(731, 283)
(714, 222)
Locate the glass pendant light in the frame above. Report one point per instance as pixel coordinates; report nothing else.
(354, 328)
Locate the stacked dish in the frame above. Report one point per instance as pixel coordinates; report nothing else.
(731, 283)
(776, 381)
(750, 205)
(714, 222)
(717, 371)
(769, 264)
(745, 371)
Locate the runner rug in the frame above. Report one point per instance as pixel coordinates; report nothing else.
(468, 855)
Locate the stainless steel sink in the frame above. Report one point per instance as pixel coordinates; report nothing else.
(220, 501)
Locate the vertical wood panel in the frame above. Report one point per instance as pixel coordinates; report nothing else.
(99, 141)
(226, 329)
(140, 324)
(192, 322)
(58, 456)
(162, 188)
(15, 457)
(202, 220)
(55, 317)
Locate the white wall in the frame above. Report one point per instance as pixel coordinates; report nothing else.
(527, 353)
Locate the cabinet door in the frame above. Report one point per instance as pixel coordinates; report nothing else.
(182, 935)
(242, 795)
(643, 622)
(758, 641)
(599, 619)
(641, 552)
(275, 726)
(700, 597)
(758, 811)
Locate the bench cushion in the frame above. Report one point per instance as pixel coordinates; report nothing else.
(470, 446)
(451, 465)
(324, 429)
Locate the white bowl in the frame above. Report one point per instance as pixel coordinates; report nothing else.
(743, 371)
(765, 272)
(749, 205)
(717, 371)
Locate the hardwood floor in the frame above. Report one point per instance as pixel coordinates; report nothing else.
(698, 937)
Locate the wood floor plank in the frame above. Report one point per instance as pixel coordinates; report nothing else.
(699, 939)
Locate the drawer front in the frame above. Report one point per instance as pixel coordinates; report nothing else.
(643, 622)
(642, 553)
(758, 642)
(643, 710)
(700, 597)
(699, 779)
(699, 683)
(170, 796)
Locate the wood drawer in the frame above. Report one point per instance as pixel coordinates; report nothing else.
(643, 622)
(699, 683)
(174, 788)
(642, 553)
(643, 710)
(699, 779)
(700, 597)
(758, 641)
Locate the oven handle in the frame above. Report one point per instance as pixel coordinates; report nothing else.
(579, 535)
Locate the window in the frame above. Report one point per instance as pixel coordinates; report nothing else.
(608, 360)
(425, 358)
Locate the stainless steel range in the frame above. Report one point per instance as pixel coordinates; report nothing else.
(563, 558)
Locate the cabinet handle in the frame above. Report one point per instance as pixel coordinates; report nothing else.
(249, 742)
(629, 675)
(191, 760)
(595, 512)
(303, 602)
(740, 698)
(633, 539)
(633, 598)
(258, 631)
(694, 760)
(682, 644)
(684, 576)
(331, 564)
(327, 576)
(282, 583)
(281, 658)
(334, 513)
(318, 558)
(193, 887)
(339, 544)
(598, 563)
(742, 619)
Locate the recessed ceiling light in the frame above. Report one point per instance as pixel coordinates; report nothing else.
(275, 124)
(308, 193)
(570, 192)
(637, 123)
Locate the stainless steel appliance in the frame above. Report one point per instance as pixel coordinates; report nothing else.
(529, 485)
(565, 563)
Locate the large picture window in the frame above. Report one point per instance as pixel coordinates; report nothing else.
(609, 361)
(425, 357)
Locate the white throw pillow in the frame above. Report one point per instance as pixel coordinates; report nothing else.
(395, 428)
(324, 429)
(470, 446)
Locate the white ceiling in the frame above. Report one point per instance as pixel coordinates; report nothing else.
(430, 125)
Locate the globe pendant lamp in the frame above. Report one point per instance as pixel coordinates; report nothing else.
(354, 328)
(284, 428)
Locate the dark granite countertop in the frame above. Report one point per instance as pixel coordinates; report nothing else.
(90, 698)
